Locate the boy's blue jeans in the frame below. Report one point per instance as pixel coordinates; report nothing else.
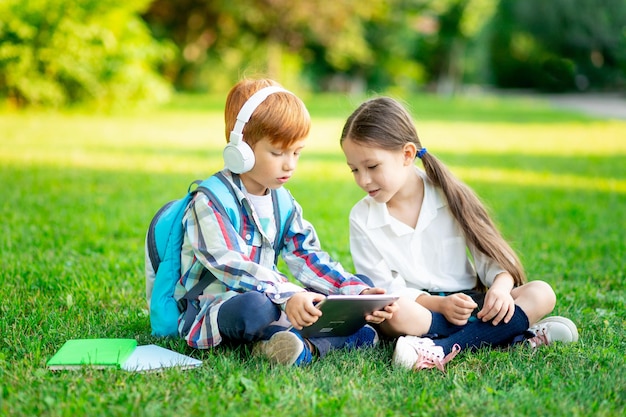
(251, 316)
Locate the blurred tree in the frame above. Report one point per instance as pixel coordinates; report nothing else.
(221, 39)
(447, 27)
(61, 52)
(366, 58)
(347, 45)
(193, 26)
(413, 43)
(560, 45)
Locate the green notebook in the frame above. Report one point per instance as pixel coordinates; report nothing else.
(96, 353)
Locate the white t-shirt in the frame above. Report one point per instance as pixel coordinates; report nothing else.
(264, 209)
(433, 256)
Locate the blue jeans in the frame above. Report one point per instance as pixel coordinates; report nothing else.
(251, 316)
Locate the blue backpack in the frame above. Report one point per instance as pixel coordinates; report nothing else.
(164, 241)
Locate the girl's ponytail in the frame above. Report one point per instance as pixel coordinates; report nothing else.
(473, 217)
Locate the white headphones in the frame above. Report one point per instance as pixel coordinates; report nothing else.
(238, 155)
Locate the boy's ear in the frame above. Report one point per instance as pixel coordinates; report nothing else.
(409, 151)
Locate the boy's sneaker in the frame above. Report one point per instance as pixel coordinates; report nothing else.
(553, 329)
(284, 348)
(413, 352)
(365, 337)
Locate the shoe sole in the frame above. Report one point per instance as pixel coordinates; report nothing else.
(565, 321)
(283, 348)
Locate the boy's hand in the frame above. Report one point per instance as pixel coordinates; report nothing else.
(301, 310)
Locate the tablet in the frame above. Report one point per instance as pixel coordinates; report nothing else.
(343, 315)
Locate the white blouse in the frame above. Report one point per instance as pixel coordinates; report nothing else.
(434, 256)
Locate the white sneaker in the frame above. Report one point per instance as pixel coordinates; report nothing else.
(553, 329)
(413, 352)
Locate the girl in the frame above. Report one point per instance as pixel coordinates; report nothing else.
(426, 236)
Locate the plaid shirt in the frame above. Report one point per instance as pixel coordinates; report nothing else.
(212, 242)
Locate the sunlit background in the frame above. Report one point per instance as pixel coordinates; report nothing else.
(110, 53)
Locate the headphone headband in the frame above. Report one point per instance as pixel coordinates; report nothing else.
(248, 108)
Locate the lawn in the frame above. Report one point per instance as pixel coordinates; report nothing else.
(79, 190)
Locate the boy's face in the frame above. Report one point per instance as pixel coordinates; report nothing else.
(273, 166)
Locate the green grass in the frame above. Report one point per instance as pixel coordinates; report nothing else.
(78, 192)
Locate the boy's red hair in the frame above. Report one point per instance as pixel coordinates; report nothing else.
(282, 117)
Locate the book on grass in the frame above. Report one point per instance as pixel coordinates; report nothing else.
(97, 353)
(117, 353)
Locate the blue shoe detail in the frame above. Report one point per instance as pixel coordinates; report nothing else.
(366, 336)
(305, 356)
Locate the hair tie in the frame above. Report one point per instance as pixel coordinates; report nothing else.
(421, 153)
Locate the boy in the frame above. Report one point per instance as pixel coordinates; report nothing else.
(251, 301)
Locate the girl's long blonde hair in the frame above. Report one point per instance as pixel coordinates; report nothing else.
(384, 123)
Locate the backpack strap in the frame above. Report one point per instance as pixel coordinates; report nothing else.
(218, 185)
(284, 212)
(188, 303)
(153, 251)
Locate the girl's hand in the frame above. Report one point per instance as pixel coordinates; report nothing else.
(457, 308)
(301, 310)
(379, 316)
(499, 306)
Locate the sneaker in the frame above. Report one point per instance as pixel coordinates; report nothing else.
(553, 329)
(413, 352)
(366, 336)
(284, 348)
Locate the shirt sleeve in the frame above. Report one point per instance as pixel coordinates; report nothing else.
(486, 268)
(220, 249)
(368, 260)
(312, 266)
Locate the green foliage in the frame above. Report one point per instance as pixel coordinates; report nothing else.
(78, 192)
(221, 40)
(559, 45)
(64, 52)
(345, 45)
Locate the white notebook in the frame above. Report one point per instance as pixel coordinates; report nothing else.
(153, 357)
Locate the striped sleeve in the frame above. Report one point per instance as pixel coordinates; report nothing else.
(312, 266)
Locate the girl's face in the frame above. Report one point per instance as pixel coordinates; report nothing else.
(379, 172)
(273, 166)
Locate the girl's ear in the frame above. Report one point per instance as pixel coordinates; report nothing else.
(409, 150)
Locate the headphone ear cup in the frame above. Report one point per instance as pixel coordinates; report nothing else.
(238, 158)
(238, 155)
